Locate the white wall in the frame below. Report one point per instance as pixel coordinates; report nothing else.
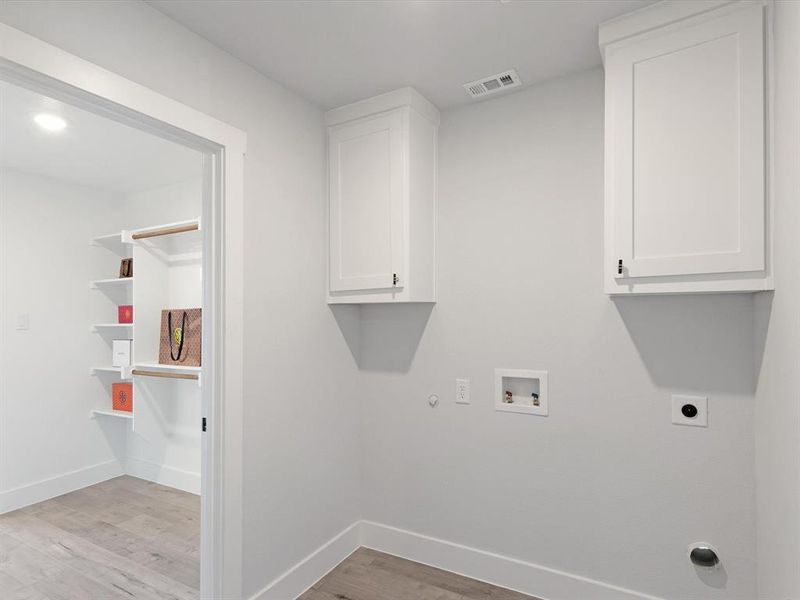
(166, 204)
(777, 416)
(48, 444)
(605, 487)
(301, 440)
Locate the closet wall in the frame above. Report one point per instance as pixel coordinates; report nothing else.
(48, 443)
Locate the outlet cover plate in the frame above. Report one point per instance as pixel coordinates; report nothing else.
(462, 391)
(700, 402)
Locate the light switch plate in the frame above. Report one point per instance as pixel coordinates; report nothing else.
(681, 417)
(23, 322)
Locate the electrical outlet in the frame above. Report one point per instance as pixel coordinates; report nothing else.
(462, 391)
(690, 410)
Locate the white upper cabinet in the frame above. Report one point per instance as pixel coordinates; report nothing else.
(366, 204)
(382, 187)
(686, 209)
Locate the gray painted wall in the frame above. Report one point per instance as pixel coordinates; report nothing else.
(777, 417)
(606, 479)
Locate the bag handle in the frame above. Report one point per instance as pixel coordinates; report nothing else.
(182, 336)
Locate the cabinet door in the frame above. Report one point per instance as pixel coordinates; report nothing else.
(367, 170)
(686, 120)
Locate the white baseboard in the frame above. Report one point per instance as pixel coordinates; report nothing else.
(525, 577)
(314, 567)
(187, 481)
(528, 578)
(56, 486)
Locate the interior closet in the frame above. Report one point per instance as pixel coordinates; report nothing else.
(101, 241)
(163, 441)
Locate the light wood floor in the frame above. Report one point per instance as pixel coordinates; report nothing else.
(370, 575)
(123, 538)
(129, 538)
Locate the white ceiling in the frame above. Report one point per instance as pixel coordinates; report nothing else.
(336, 52)
(92, 151)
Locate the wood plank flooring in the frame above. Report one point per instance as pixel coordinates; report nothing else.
(370, 575)
(123, 538)
(129, 538)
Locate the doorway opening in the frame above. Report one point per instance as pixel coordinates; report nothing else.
(102, 295)
(86, 185)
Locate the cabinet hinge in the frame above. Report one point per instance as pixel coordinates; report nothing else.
(619, 267)
(394, 278)
(203, 425)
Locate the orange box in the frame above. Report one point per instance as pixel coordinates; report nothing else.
(122, 396)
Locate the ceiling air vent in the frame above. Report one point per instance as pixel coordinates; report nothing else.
(491, 85)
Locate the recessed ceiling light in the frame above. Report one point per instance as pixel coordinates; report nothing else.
(50, 122)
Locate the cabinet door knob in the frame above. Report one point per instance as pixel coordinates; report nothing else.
(394, 278)
(619, 267)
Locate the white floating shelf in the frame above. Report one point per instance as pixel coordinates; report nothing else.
(185, 246)
(116, 282)
(168, 368)
(100, 412)
(116, 242)
(121, 372)
(111, 327)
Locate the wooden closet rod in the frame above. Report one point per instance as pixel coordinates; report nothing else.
(164, 374)
(165, 231)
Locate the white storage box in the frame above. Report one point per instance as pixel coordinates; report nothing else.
(122, 351)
